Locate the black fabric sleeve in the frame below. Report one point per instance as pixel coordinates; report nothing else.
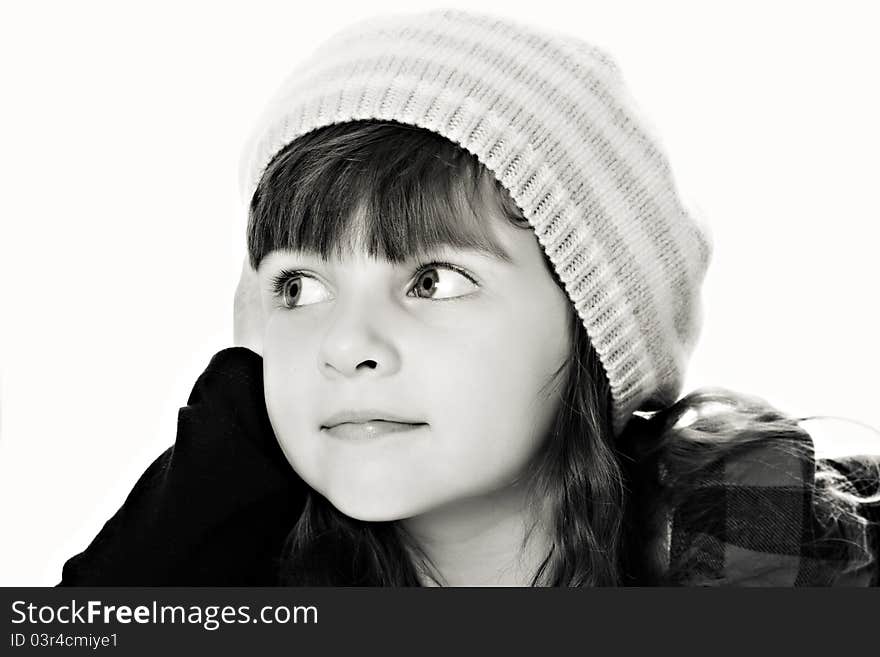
(212, 510)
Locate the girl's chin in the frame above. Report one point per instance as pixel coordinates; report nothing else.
(364, 514)
(363, 508)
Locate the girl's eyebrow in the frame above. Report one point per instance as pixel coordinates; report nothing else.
(493, 249)
(497, 251)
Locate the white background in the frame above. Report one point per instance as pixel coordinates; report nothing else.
(122, 232)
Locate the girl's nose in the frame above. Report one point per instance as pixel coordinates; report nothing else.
(360, 339)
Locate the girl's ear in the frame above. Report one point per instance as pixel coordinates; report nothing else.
(248, 319)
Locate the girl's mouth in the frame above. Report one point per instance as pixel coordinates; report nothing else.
(370, 429)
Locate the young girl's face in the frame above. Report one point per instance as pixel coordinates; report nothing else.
(467, 348)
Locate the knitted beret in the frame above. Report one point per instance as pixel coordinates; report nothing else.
(549, 116)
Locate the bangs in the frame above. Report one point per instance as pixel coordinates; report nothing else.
(383, 188)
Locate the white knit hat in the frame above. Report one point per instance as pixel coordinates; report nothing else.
(548, 114)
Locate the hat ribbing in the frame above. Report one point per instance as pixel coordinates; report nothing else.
(549, 115)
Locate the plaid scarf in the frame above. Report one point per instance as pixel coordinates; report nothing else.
(778, 518)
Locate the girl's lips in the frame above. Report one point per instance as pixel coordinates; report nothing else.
(370, 429)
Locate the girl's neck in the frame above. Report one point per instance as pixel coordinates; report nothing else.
(491, 540)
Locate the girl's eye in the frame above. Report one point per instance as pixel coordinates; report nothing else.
(437, 280)
(441, 280)
(294, 289)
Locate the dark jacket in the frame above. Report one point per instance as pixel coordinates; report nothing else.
(215, 508)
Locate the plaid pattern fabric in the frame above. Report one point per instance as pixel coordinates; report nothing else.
(769, 524)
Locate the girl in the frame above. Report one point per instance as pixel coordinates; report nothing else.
(469, 300)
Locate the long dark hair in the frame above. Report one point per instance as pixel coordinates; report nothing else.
(402, 189)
